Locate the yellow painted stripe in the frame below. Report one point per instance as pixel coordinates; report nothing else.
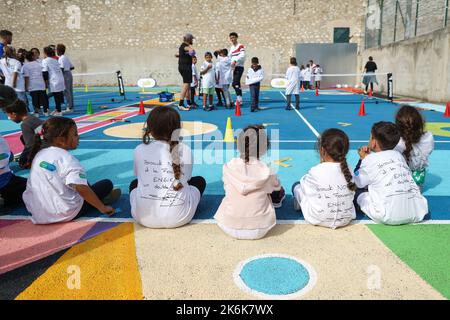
(101, 268)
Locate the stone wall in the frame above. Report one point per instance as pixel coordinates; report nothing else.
(141, 37)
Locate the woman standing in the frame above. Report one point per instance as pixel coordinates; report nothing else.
(185, 54)
(369, 75)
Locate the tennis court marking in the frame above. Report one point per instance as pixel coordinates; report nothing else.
(316, 133)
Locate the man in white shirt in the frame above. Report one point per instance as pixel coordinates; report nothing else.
(67, 67)
(237, 55)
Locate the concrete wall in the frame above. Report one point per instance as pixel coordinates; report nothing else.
(421, 66)
(141, 37)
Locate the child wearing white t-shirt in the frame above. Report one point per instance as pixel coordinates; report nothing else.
(293, 86)
(307, 77)
(325, 194)
(165, 195)
(392, 196)
(58, 189)
(225, 76)
(54, 77)
(67, 67)
(35, 83)
(11, 68)
(208, 71)
(415, 144)
(195, 81)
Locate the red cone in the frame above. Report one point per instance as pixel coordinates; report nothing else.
(371, 93)
(447, 110)
(238, 109)
(142, 108)
(303, 88)
(317, 91)
(362, 110)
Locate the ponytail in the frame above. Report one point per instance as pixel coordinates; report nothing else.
(176, 166)
(37, 146)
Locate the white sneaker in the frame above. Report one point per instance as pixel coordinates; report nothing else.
(68, 110)
(35, 114)
(56, 114)
(183, 108)
(46, 114)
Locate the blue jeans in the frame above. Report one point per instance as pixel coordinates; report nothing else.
(254, 93)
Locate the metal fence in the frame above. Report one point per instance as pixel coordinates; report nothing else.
(389, 21)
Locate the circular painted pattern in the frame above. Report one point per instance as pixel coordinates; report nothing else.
(275, 276)
(135, 130)
(439, 128)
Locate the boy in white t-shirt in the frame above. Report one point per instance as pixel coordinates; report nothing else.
(195, 81)
(293, 86)
(67, 67)
(254, 77)
(35, 84)
(11, 68)
(54, 77)
(208, 71)
(392, 196)
(225, 74)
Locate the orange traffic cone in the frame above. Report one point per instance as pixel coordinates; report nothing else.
(371, 93)
(447, 110)
(303, 88)
(362, 109)
(142, 108)
(317, 91)
(238, 109)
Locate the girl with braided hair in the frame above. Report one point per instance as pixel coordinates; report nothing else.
(164, 195)
(325, 194)
(415, 144)
(252, 189)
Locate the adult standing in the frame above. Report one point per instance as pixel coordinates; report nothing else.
(185, 54)
(369, 74)
(237, 55)
(5, 40)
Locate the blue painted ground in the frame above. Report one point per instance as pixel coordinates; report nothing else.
(110, 157)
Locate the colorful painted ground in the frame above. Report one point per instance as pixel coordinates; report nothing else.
(114, 258)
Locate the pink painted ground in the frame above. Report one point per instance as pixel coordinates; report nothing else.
(22, 243)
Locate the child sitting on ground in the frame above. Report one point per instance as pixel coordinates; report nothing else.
(165, 195)
(392, 197)
(252, 189)
(30, 125)
(58, 190)
(11, 186)
(325, 194)
(415, 144)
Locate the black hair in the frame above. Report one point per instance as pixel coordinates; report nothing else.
(370, 58)
(253, 142)
(61, 49)
(255, 60)
(224, 52)
(336, 144)
(234, 34)
(29, 56)
(49, 51)
(5, 33)
(411, 125)
(18, 107)
(35, 49)
(53, 128)
(216, 53)
(386, 134)
(208, 54)
(293, 61)
(164, 124)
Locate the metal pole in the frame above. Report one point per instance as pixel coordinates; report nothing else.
(381, 22)
(395, 20)
(417, 18)
(446, 13)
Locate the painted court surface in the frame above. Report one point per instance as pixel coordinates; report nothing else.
(113, 258)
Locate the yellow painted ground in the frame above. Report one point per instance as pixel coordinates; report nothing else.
(135, 130)
(198, 261)
(104, 267)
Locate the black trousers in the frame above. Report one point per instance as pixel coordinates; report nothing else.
(237, 76)
(297, 101)
(193, 95)
(220, 94)
(254, 93)
(197, 182)
(39, 99)
(12, 192)
(101, 189)
(59, 100)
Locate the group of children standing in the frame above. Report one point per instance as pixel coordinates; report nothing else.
(386, 184)
(26, 72)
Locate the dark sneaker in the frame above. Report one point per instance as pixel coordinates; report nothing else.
(297, 206)
(112, 197)
(278, 198)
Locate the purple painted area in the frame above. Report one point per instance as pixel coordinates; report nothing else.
(5, 223)
(97, 229)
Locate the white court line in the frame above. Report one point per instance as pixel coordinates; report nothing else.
(222, 141)
(316, 133)
(213, 222)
